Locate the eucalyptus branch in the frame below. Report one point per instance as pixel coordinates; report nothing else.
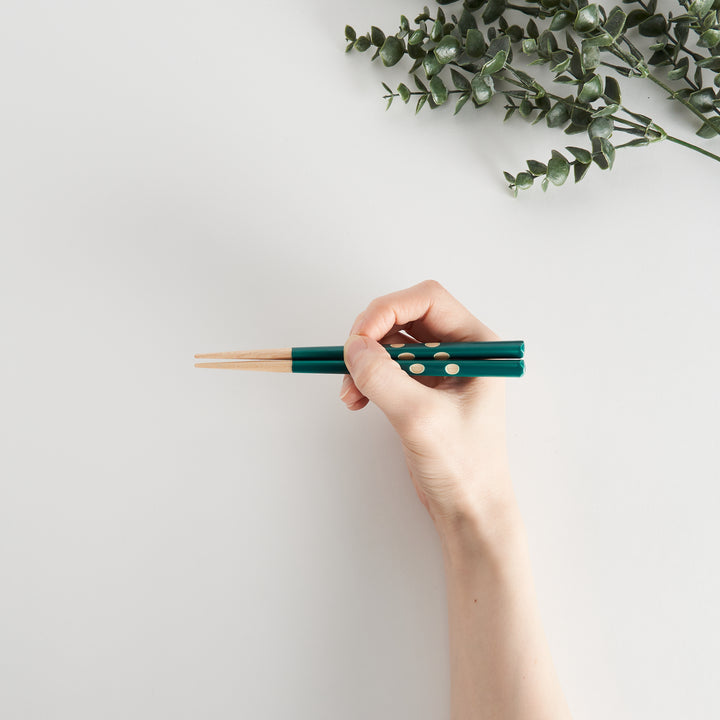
(480, 65)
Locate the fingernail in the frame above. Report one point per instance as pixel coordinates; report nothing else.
(354, 345)
(358, 323)
(345, 389)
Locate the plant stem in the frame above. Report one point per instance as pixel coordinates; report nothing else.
(692, 147)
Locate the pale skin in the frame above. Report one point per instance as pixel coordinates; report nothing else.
(453, 435)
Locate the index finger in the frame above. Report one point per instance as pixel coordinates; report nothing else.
(427, 311)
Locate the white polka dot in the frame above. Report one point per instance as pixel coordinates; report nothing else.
(406, 356)
(432, 344)
(417, 368)
(398, 345)
(452, 369)
(441, 356)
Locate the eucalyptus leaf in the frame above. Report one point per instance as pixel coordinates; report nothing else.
(438, 90)
(475, 45)
(377, 36)
(587, 19)
(493, 10)
(431, 65)
(447, 49)
(362, 44)
(580, 154)
(537, 168)
(462, 100)
(391, 51)
(494, 65)
(558, 168)
(591, 90)
(558, 115)
(459, 80)
(482, 88)
(601, 127)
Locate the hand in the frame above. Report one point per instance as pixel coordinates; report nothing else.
(452, 429)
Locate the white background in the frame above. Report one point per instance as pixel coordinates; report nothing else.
(180, 177)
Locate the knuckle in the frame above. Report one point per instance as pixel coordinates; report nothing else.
(433, 286)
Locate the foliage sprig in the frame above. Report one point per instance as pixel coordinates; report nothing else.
(475, 56)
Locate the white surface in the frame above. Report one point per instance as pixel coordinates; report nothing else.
(183, 177)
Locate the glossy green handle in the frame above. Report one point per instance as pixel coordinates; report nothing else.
(430, 368)
(423, 351)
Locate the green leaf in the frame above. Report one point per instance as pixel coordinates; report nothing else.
(703, 99)
(712, 63)
(350, 33)
(404, 91)
(559, 61)
(591, 90)
(416, 37)
(607, 110)
(544, 184)
(475, 45)
(532, 29)
(558, 115)
(526, 107)
(601, 127)
(710, 38)
(680, 70)
(603, 153)
(436, 31)
(419, 84)
(711, 128)
(459, 80)
(421, 101)
(700, 8)
(547, 44)
(581, 155)
(561, 19)
(536, 168)
(482, 88)
(590, 56)
(605, 39)
(467, 22)
(580, 170)
(653, 26)
(616, 22)
(463, 99)
(529, 46)
(635, 18)
(587, 19)
(431, 65)
(377, 36)
(510, 178)
(447, 49)
(524, 180)
(362, 44)
(391, 51)
(389, 102)
(494, 65)
(612, 89)
(493, 10)
(558, 168)
(438, 90)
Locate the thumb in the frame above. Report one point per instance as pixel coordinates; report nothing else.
(380, 379)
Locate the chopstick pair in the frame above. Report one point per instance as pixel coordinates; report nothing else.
(473, 359)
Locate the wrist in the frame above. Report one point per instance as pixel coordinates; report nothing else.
(490, 528)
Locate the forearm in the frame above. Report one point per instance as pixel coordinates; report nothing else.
(500, 664)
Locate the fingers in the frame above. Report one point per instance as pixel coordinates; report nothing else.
(427, 311)
(349, 392)
(380, 379)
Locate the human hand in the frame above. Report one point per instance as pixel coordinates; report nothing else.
(452, 429)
